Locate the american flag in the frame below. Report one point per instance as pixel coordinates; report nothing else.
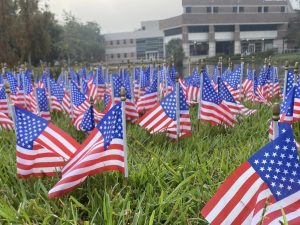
(248, 85)
(287, 107)
(149, 99)
(30, 98)
(296, 112)
(270, 178)
(162, 117)
(43, 103)
(99, 82)
(42, 148)
(17, 97)
(289, 81)
(103, 150)
(213, 108)
(194, 87)
(57, 95)
(214, 78)
(232, 81)
(235, 107)
(6, 122)
(3, 100)
(85, 121)
(263, 86)
(130, 107)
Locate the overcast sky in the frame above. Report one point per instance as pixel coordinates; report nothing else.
(117, 15)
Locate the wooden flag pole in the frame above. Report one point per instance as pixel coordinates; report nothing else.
(177, 107)
(241, 77)
(123, 99)
(286, 71)
(276, 117)
(201, 89)
(158, 83)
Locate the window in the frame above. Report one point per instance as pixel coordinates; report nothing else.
(124, 42)
(258, 27)
(266, 9)
(125, 55)
(216, 9)
(132, 55)
(241, 9)
(174, 31)
(118, 42)
(131, 41)
(224, 28)
(119, 56)
(234, 9)
(111, 42)
(188, 10)
(282, 9)
(208, 9)
(198, 29)
(111, 56)
(259, 9)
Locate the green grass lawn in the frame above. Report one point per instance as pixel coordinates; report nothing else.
(168, 182)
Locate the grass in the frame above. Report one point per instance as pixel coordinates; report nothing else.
(168, 182)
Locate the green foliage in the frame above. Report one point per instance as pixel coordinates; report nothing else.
(174, 49)
(168, 182)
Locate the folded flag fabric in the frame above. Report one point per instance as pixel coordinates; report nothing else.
(3, 100)
(5, 122)
(268, 180)
(149, 99)
(43, 103)
(102, 151)
(42, 148)
(85, 121)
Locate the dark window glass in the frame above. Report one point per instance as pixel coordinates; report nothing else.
(224, 28)
(198, 48)
(173, 31)
(258, 27)
(282, 9)
(234, 9)
(198, 29)
(131, 41)
(118, 42)
(216, 9)
(112, 56)
(208, 9)
(259, 9)
(111, 42)
(188, 10)
(119, 55)
(242, 9)
(125, 55)
(266, 9)
(124, 42)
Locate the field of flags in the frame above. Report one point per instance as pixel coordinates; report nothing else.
(108, 106)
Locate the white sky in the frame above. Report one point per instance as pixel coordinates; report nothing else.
(116, 15)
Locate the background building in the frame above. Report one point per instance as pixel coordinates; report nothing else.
(208, 28)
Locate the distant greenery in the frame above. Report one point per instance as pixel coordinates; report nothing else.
(174, 49)
(29, 32)
(168, 182)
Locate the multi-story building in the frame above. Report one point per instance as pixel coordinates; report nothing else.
(145, 43)
(210, 27)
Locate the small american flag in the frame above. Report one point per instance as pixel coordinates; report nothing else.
(17, 97)
(233, 81)
(194, 87)
(43, 103)
(102, 151)
(85, 121)
(213, 108)
(289, 81)
(42, 148)
(3, 100)
(57, 95)
(270, 178)
(6, 122)
(149, 99)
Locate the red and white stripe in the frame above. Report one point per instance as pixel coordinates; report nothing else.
(51, 149)
(4, 106)
(45, 115)
(296, 112)
(146, 102)
(235, 93)
(89, 160)
(193, 94)
(217, 114)
(55, 104)
(130, 109)
(241, 200)
(6, 122)
(238, 108)
(18, 99)
(184, 126)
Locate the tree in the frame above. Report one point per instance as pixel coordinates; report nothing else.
(174, 49)
(293, 35)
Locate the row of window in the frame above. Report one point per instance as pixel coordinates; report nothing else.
(118, 42)
(124, 55)
(235, 9)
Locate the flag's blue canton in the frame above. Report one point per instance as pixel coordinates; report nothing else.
(169, 103)
(262, 80)
(145, 78)
(255, 84)
(249, 74)
(88, 122)
(155, 73)
(60, 80)
(172, 73)
(137, 73)
(287, 106)
(82, 73)
(2, 93)
(127, 85)
(215, 75)
(42, 99)
(117, 83)
(278, 165)
(152, 88)
(209, 94)
(195, 79)
(29, 127)
(234, 78)
(74, 77)
(224, 92)
(27, 83)
(85, 88)
(12, 83)
(111, 125)
(99, 75)
(45, 79)
(290, 81)
(1, 79)
(57, 90)
(106, 99)
(77, 97)
(89, 75)
(188, 80)
(170, 82)
(20, 77)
